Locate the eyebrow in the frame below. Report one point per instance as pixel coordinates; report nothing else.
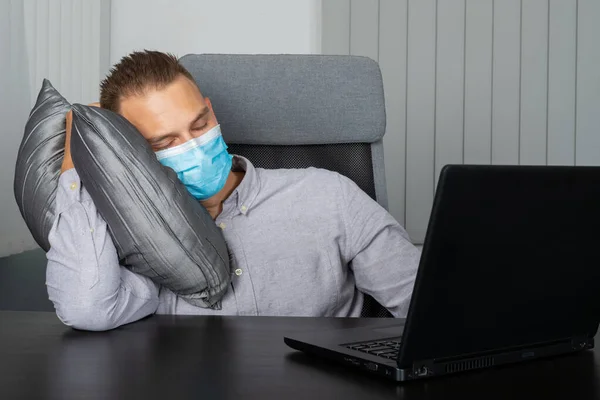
(200, 115)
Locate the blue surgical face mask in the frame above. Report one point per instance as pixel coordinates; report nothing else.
(202, 164)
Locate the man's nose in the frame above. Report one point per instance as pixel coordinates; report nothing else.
(186, 136)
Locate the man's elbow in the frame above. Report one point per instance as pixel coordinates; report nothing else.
(87, 318)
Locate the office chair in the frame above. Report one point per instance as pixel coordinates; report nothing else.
(299, 111)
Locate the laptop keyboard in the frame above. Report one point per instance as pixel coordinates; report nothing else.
(387, 348)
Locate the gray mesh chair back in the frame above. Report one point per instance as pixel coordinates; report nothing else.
(298, 111)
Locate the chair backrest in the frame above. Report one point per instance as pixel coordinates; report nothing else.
(298, 111)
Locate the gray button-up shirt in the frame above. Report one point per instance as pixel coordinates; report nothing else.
(304, 242)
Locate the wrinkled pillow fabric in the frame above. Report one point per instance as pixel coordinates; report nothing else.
(159, 229)
(39, 161)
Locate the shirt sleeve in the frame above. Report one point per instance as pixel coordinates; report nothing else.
(380, 254)
(88, 287)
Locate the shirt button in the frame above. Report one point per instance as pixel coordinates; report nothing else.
(73, 186)
(244, 208)
(222, 225)
(238, 271)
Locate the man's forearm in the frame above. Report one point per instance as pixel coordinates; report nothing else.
(383, 259)
(88, 287)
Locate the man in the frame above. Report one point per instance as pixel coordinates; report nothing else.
(302, 242)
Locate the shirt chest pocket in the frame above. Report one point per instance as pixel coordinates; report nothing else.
(297, 285)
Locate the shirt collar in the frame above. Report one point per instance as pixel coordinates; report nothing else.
(244, 195)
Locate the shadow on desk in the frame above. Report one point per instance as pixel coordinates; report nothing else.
(144, 360)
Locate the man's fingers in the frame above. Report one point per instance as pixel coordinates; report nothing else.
(69, 122)
(67, 161)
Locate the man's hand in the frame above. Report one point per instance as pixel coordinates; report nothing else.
(67, 161)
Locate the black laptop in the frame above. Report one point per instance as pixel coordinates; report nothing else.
(510, 272)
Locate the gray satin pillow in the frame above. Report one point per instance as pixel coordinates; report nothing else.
(159, 229)
(39, 161)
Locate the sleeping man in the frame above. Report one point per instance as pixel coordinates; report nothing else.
(303, 242)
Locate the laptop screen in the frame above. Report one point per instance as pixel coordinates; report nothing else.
(511, 258)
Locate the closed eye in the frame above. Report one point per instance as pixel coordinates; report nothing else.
(199, 128)
(163, 146)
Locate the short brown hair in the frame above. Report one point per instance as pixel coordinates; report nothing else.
(138, 72)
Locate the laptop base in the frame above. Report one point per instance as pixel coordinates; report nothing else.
(380, 366)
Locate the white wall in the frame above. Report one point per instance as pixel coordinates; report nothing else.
(476, 82)
(206, 26)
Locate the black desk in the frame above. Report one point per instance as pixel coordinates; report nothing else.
(164, 357)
